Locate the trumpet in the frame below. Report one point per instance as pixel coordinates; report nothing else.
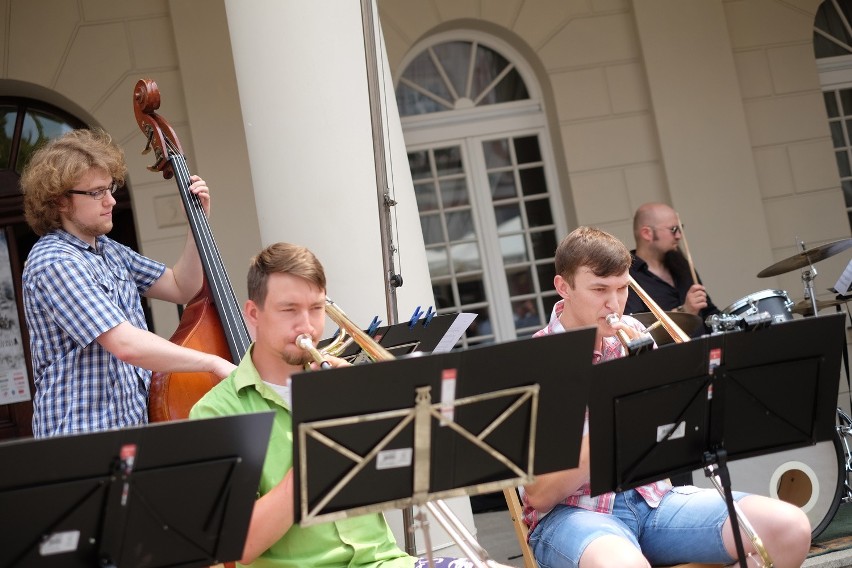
(679, 336)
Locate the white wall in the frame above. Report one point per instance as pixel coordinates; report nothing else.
(713, 106)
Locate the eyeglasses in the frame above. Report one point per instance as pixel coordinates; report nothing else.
(673, 230)
(96, 194)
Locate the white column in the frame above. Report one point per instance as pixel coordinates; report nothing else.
(301, 74)
(302, 80)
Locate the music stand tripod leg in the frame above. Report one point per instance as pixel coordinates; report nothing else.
(423, 523)
(459, 533)
(717, 470)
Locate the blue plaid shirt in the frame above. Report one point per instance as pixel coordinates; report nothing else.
(72, 294)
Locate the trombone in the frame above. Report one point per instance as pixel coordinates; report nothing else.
(679, 336)
(645, 342)
(668, 323)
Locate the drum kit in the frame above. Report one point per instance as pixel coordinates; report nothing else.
(816, 478)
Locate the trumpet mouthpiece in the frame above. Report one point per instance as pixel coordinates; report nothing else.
(612, 319)
(304, 341)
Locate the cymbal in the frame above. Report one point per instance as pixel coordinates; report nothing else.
(806, 258)
(804, 307)
(684, 320)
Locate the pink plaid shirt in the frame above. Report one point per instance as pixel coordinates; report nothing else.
(652, 493)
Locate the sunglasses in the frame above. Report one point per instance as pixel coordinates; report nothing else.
(673, 230)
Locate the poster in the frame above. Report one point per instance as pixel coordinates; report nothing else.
(14, 386)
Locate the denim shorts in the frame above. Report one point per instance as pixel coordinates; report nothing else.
(686, 527)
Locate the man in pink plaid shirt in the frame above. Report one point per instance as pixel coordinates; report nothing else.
(655, 524)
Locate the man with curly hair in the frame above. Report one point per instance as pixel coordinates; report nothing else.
(91, 350)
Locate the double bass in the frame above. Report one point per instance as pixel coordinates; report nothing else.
(212, 321)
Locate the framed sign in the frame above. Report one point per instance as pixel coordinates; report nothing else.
(14, 386)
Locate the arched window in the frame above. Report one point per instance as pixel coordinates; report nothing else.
(24, 127)
(833, 50)
(457, 75)
(481, 161)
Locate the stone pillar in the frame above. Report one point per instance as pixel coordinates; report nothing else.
(302, 79)
(704, 142)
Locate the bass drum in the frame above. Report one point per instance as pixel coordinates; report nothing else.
(810, 477)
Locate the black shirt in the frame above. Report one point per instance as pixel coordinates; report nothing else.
(668, 297)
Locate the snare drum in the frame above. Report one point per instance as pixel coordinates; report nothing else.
(776, 302)
(811, 478)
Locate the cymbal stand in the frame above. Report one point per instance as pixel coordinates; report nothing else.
(808, 276)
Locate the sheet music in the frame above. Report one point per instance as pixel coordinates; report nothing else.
(458, 327)
(845, 280)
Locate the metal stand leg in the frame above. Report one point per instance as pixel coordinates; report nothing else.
(844, 428)
(459, 533)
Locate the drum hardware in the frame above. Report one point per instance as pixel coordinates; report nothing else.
(721, 323)
(804, 307)
(844, 431)
(804, 259)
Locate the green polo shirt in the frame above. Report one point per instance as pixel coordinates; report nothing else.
(364, 541)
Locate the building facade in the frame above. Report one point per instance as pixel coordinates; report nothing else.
(504, 125)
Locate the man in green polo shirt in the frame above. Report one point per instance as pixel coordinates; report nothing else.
(286, 289)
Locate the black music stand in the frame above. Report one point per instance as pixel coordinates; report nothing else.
(714, 399)
(425, 334)
(169, 494)
(497, 414)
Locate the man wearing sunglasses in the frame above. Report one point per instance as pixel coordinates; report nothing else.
(661, 269)
(91, 350)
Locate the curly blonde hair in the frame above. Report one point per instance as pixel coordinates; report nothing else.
(58, 165)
